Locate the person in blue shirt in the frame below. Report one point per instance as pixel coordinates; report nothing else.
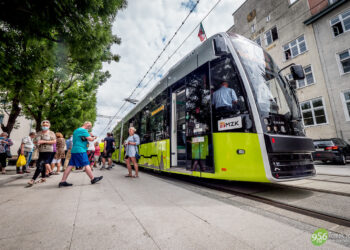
(79, 157)
(224, 98)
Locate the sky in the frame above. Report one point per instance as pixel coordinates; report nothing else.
(145, 27)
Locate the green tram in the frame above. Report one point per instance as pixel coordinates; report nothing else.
(260, 138)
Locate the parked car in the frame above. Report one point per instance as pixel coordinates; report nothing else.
(334, 149)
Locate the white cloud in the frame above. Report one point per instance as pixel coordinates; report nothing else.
(142, 26)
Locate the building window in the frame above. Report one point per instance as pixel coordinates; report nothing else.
(344, 59)
(346, 103)
(253, 28)
(313, 112)
(258, 40)
(268, 18)
(341, 23)
(292, 1)
(271, 36)
(309, 78)
(294, 48)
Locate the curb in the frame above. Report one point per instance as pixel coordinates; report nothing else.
(12, 178)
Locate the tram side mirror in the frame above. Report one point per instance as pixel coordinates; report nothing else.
(297, 72)
(220, 47)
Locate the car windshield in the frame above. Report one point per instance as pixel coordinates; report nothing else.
(272, 94)
(327, 143)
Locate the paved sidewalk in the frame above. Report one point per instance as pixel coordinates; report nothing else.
(12, 176)
(127, 213)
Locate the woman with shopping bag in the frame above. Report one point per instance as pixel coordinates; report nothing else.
(26, 149)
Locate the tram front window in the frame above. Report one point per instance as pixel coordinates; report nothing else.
(227, 95)
(276, 103)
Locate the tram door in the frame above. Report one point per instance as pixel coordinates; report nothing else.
(191, 138)
(178, 135)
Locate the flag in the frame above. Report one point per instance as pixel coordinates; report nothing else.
(201, 33)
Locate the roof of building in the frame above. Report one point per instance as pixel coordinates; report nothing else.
(322, 13)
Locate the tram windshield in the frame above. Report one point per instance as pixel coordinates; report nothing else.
(274, 98)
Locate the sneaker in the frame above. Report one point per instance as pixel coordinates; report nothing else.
(109, 168)
(102, 168)
(64, 184)
(96, 179)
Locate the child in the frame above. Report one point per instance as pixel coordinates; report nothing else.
(97, 153)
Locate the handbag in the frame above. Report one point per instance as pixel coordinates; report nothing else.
(35, 155)
(137, 156)
(21, 161)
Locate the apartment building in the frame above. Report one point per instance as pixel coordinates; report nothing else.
(278, 26)
(331, 25)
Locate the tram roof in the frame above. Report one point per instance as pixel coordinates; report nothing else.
(194, 59)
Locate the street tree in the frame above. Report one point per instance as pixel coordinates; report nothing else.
(75, 35)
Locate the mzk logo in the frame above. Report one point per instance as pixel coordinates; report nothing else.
(231, 123)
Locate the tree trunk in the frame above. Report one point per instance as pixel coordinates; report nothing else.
(15, 111)
(38, 122)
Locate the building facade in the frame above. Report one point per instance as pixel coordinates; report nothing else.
(331, 25)
(277, 25)
(23, 129)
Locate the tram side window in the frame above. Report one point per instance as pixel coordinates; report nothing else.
(145, 133)
(117, 137)
(228, 98)
(159, 118)
(125, 131)
(135, 122)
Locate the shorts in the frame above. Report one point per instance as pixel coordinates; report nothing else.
(45, 157)
(56, 161)
(108, 154)
(96, 157)
(79, 160)
(52, 156)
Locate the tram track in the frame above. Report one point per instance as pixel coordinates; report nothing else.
(309, 212)
(313, 189)
(253, 194)
(331, 181)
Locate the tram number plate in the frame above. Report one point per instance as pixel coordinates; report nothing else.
(230, 123)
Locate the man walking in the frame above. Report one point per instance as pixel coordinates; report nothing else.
(109, 145)
(27, 148)
(79, 157)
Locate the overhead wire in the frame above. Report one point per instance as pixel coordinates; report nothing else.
(150, 68)
(175, 51)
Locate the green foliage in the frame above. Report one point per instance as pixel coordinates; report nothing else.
(51, 55)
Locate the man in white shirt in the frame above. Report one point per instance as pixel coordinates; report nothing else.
(27, 148)
(224, 98)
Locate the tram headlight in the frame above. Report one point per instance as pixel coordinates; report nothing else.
(266, 121)
(275, 128)
(268, 128)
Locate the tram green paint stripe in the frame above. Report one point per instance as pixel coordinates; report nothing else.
(239, 167)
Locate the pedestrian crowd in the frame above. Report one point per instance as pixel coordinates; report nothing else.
(80, 151)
